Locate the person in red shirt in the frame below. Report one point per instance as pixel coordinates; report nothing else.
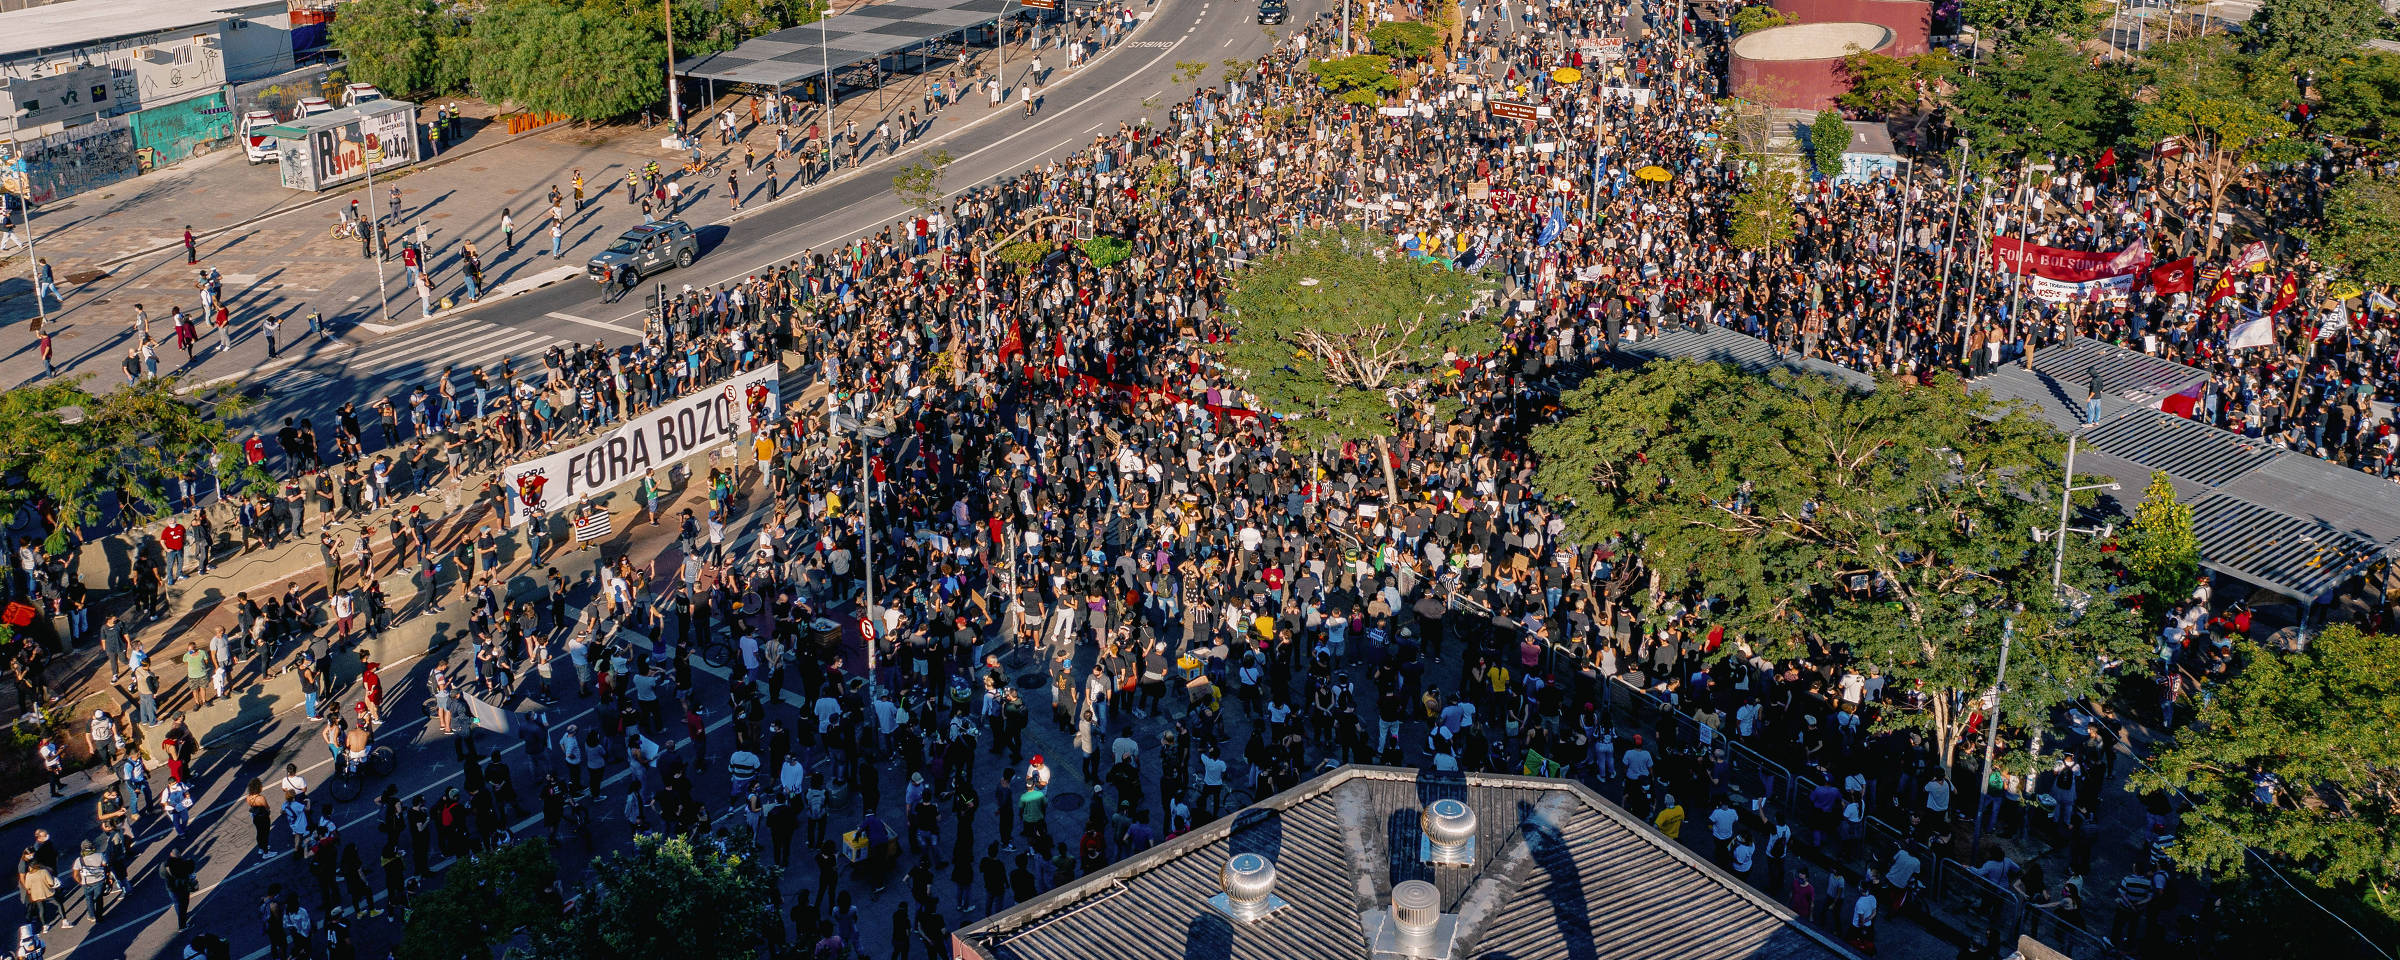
(171, 539)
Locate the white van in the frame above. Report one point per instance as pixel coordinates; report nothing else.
(311, 106)
(358, 93)
(257, 143)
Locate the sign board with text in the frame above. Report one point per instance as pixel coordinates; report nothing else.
(699, 421)
(1513, 110)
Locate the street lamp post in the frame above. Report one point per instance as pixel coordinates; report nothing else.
(2058, 564)
(383, 298)
(848, 425)
(1908, 194)
(674, 103)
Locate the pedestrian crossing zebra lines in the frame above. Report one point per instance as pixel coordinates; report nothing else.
(460, 348)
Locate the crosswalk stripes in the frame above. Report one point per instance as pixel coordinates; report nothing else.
(460, 350)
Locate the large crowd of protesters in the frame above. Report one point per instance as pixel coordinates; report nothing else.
(1071, 486)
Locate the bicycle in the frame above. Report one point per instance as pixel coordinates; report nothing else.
(717, 653)
(350, 776)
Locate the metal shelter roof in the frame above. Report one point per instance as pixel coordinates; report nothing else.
(2138, 376)
(791, 55)
(2286, 521)
(2305, 558)
(1556, 870)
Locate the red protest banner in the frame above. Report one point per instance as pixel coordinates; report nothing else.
(2010, 255)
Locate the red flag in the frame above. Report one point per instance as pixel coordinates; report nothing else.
(2285, 292)
(2224, 287)
(2108, 158)
(1015, 344)
(2174, 276)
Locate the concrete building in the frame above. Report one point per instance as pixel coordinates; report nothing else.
(1385, 863)
(93, 91)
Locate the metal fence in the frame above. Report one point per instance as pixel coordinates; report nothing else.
(1951, 893)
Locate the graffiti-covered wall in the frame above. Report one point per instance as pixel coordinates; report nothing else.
(64, 164)
(164, 135)
(143, 72)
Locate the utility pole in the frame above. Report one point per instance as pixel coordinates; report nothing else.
(1958, 198)
(674, 104)
(33, 266)
(383, 298)
(1908, 194)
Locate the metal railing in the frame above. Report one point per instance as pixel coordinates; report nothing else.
(1949, 892)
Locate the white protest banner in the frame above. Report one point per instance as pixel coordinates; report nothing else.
(679, 428)
(2063, 291)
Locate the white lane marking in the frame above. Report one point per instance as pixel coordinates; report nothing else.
(602, 324)
(880, 221)
(399, 354)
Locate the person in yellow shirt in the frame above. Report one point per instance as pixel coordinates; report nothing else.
(1670, 819)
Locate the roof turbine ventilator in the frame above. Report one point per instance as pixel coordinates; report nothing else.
(1415, 928)
(1249, 882)
(1448, 834)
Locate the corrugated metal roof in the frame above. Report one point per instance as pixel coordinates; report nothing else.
(2251, 541)
(2127, 373)
(1714, 344)
(2310, 497)
(1559, 872)
(2185, 448)
(794, 54)
(2347, 500)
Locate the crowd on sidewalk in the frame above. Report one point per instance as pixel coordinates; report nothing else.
(1068, 474)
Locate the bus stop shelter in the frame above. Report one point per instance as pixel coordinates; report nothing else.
(788, 58)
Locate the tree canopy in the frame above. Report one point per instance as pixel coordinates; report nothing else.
(1828, 139)
(2361, 234)
(484, 900)
(672, 897)
(2161, 550)
(2040, 96)
(1883, 86)
(1335, 319)
(2316, 33)
(2009, 20)
(2295, 756)
(2361, 101)
(1362, 79)
(1762, 213)
(83, 452)
(1890, 524)
(397, 45)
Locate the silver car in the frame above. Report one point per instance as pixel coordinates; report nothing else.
(645, 250)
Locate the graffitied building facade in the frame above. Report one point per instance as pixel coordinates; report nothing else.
(94, 91)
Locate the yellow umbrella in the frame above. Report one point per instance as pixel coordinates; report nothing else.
(1566, 75)
(1654, 173)
(2345, 289)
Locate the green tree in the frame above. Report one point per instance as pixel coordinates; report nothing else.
(2361, 234)
(485, 900)
(1363, 79)
(920, 184)
(1828, 139)
(2160, 548)
(1106, 252)
(2012, 20)
(672, 897)
(1889, 524)
(2039, 96)
(1762, 213)
(586, 62)
(1882, 86)
(2234, 140)
(2316, 33)
(81, 450)
(395, 44)
(2295, 756)
(1409, 40)
(2361, 101)
(1336, 325)
(1757, 17)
